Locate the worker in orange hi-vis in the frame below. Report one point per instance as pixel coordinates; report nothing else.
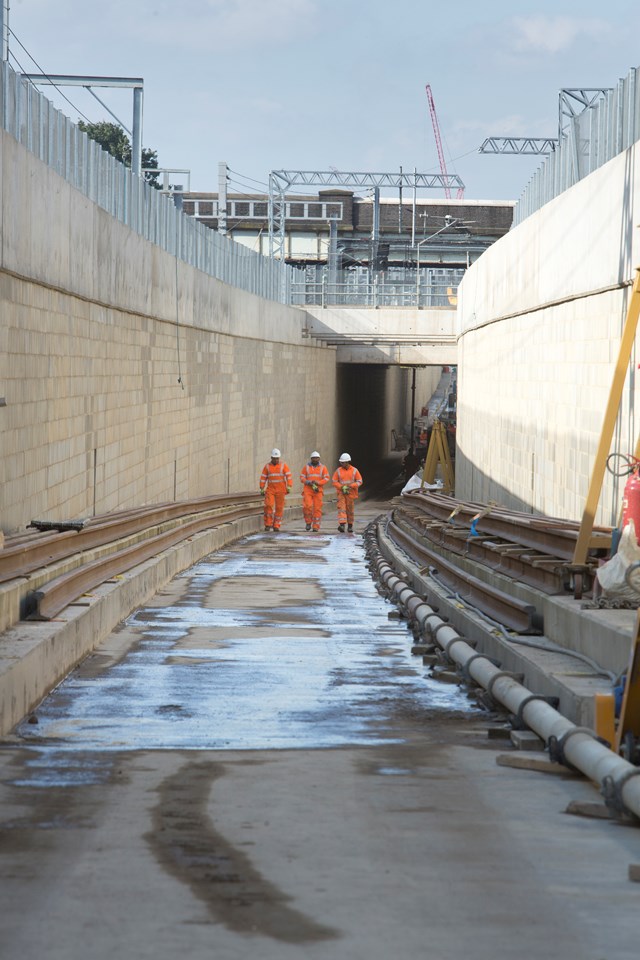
(347, 481)
(313, 476)
(275, 483)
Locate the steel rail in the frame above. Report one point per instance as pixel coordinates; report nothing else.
(549, 535)
(539, 570)
(513, 613)
(32, 553)
(48, 601)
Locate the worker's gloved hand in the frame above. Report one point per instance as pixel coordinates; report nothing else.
(345, 488)
(262, 492)
(289, 489)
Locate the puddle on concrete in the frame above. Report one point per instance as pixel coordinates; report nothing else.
(315, 663)
(249, 592)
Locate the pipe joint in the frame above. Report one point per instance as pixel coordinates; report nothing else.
(436, 630)
(556, 746)
(518, 722)
(428, 627)
(449, 643)
(518, 677)
(612, 789)
(465, 668)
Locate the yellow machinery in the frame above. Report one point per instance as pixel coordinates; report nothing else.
(625, 737)
(585, 536)
(438, 453)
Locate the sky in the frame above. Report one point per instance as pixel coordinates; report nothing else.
(330, 84)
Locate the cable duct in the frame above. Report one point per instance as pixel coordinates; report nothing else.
(575, 746)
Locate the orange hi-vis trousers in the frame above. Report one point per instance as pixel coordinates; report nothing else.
(346, 501)
(275, 479)
(312, 499)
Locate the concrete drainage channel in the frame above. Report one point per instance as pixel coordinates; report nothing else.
(567, 743)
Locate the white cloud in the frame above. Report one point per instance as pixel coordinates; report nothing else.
(553, 34)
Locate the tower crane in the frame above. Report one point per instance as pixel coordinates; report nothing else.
(436, 133)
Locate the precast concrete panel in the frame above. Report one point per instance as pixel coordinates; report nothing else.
(540, 318)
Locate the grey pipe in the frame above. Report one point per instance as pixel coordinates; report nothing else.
(619, 780)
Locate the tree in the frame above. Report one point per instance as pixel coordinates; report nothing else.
(114, 140)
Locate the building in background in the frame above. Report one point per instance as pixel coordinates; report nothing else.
(371, 250)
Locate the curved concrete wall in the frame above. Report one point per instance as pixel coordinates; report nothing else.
(97, 328)
(539, 321)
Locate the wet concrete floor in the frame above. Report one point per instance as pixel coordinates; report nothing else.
(254, 766)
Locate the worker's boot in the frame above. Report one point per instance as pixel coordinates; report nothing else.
(341, 528)
(307, 526)
(350, 528)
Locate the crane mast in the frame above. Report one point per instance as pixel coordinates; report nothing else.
(436, 133)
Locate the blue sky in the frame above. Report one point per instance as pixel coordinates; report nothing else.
(320, 84)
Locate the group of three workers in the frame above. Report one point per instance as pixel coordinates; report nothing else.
(276, 482)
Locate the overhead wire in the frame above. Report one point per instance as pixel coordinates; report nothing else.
(244, 176)
(44, 74)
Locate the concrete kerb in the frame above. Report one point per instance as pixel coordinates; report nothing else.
(36, 655)
(545, 673)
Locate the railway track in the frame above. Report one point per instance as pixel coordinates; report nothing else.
(68, 559)
(59, 562)
(435, 530)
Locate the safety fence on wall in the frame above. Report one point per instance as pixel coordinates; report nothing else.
(599, 133)
(48, 134)
(430, 289)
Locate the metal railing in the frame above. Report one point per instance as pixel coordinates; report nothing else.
(375, 293)
(45, 132)
(592, 138)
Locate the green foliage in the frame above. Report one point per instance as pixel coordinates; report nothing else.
(114, 140)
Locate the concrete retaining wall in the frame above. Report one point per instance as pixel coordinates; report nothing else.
(130, 377)
(540, 318)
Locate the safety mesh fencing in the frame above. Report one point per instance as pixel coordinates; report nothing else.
(48, 134)
(589, 140)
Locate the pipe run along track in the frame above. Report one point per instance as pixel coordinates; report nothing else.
(619, 781)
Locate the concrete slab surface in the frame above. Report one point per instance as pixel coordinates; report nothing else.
(282, 779)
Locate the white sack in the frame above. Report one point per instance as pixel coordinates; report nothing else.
(612, 575)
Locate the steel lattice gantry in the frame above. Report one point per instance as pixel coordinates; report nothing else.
(572, 102)
(280, 181)
(535, 146)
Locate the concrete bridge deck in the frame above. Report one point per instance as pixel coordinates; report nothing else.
(386, 335)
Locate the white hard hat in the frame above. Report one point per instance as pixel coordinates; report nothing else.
(275, 452)
(314, 454)
(344, 457)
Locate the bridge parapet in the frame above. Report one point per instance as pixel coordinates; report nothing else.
(401, 336)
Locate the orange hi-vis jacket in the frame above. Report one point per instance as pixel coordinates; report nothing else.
(349, 477)
(310, 474)
(276, 476)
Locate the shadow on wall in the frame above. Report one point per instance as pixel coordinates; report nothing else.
(565, 502)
